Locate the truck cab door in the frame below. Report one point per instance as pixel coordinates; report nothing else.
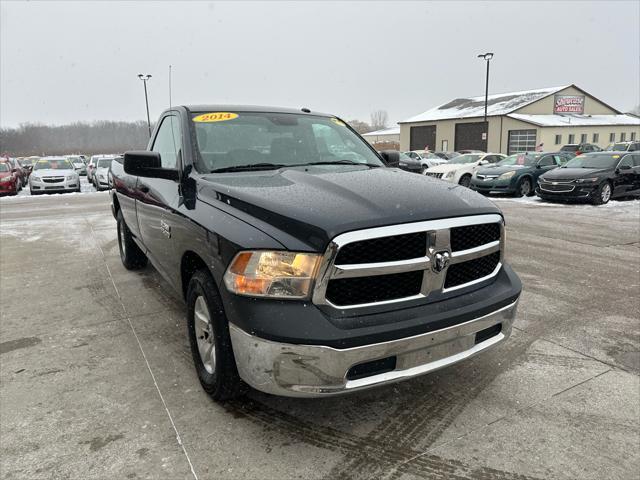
(157, 197)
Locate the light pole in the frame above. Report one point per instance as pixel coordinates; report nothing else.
(144, 79)
(487, 57)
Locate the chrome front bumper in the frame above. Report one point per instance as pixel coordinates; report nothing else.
(316, 371)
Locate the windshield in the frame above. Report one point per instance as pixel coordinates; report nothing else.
(431, 156)
(104, 162)
(56, 164)
(27, 162)
(404, 157)
(517, 159)
(251, 138)
(569, 148)
(593, 161)
(4, 167)
(620, 147)
(468, 158)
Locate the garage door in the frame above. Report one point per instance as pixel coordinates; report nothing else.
(469, 136)
(521, 141)
(422, 137)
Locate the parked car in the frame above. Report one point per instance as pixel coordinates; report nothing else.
(461, 168)
(596, 177)
(78, 164)
(53, 175)
(9, 179)
(27, 164)
(22, 174)
(304, 273)
(517, 174)
(101, 173)
(580, 148)
(426, 158)
(623, 147)
(463, 152)
(91, 166)
(446, 155)
(410, 164)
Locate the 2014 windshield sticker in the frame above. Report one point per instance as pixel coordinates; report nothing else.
(215, 117)
(337, 122)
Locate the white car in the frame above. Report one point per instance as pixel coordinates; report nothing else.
(54, 175)
(101, 172)
(426, 158)
(461, 168)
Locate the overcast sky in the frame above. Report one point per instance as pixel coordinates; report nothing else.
(62, 62)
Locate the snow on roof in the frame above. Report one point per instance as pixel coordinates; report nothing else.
(497, 104)
(576, 120)
(386, 131)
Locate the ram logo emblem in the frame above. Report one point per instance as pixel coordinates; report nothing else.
(441, 261)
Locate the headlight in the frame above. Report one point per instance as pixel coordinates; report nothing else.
(35, 177)
(587, 180)
(101, 176)
(449, 174)
(506, 176)
(272, 274)
(71, 177)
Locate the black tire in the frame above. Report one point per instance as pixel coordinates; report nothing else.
(465, 181)
(601, 198)
(222, 382)
(524, 188)
(130, 254)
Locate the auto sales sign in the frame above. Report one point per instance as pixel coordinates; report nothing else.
(568, 104)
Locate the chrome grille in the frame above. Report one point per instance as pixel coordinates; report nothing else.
(52, 179)
(433, 174)
(399, 263)
(556, 186)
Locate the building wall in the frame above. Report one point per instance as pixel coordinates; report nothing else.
(382, 138)
(446, 130)
(547, 135)
(545, 105)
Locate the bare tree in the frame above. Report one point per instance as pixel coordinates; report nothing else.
(360, 126)
(379, 119)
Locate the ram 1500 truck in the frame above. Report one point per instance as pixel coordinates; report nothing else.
(309, 267)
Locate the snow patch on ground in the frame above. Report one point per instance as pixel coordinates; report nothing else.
(613, 204)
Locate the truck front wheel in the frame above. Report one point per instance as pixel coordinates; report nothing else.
(132, 257)
(210, 341)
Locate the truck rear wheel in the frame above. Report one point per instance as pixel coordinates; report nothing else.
(132, 257)
(211, 349)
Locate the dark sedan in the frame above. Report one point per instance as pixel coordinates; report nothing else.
(595, 177)
(516, 174)
(410, 164)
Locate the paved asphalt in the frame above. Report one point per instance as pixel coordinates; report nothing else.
(97, 380)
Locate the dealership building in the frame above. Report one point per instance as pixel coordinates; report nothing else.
(518, 122)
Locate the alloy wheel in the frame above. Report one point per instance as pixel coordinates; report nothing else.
(525, 188)
(605, 194)
(204, 334)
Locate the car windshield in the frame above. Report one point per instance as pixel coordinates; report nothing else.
(569, 148)
(517, 159)
(593, 161)
(229, 140)
(4, 167)
(404, 157)
(431, 156)
(27, 162)
(55, 164)
(468, 158)
(620, 147)
(104, 162)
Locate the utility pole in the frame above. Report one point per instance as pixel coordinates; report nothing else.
(144, 79)
(487, 57)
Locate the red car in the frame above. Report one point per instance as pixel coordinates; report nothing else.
(9, 179)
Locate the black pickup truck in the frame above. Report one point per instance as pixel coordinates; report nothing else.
(309, 267)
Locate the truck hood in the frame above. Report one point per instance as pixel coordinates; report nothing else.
(571, 173)
(315, 204)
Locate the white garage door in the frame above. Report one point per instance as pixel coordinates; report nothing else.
(522, 141)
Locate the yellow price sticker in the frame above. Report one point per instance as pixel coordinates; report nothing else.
(615, 156)
(215, 117)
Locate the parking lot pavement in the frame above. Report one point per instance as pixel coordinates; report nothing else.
(97, 379)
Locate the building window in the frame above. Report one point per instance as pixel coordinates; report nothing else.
(521, 141)
(596, 138)
(583, 138)
(623, 137)
(572, 138)
(633, 136)
(558, 139)
(612, 137)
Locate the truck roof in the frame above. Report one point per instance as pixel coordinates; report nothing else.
(252, 108)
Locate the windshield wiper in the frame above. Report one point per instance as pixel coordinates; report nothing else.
(249, 167)
(339, 162)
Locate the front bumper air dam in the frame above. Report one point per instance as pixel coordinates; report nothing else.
(316, 371)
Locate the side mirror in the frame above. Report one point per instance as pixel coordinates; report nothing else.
(391, 158)
(538, 166)
(144, 163)
(483, 162)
